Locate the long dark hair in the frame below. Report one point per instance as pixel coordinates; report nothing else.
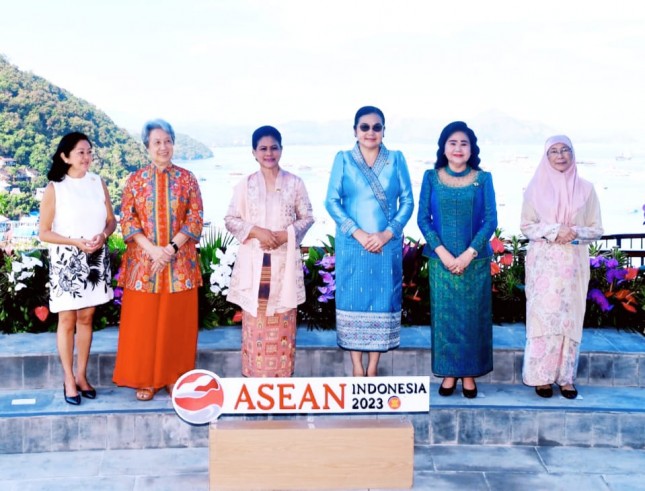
(446, 133)
(59, 168)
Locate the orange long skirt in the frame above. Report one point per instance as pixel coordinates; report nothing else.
(157, 338)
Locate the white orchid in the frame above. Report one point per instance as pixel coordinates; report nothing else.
(22, 269)
(221, 272)
(220, 277)
(226, 258)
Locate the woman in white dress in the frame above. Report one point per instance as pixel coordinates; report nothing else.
(76, 219)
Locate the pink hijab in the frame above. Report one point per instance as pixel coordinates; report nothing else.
(557, 196)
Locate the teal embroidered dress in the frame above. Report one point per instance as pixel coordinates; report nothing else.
(368, 285)
(457, 210)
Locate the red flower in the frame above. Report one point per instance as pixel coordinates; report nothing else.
(506, 259)
(494, 268)
(497, 245)
(632, 273)
(622, 294)
(629, 307)
(41, 312)
(237, 317)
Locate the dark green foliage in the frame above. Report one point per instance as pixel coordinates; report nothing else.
(35, 114)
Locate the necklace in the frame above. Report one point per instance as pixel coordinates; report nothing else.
(452, 173)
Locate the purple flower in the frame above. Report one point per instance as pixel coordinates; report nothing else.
(327, 293)
(611, 263)
(615, 274)
(327, 278)
(597, 262)
(597, 296)
(118, 293)
(305, 270)
(327, 262)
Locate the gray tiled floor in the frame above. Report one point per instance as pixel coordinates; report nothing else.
(439, 468)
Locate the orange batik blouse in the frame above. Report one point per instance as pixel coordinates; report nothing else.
(159, 204)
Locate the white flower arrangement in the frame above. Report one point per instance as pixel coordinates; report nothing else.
(22, 269)
(221, 270)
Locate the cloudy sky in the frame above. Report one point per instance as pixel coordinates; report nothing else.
(574, 65)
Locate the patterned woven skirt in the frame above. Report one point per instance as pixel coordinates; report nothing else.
(461, 318)
(368, 295)
(268, 342)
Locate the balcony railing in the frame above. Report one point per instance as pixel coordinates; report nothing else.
(632, 245)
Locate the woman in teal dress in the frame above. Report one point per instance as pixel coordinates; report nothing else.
(457, 216)
(370, 199)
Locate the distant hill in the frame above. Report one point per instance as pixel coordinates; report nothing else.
(35, 114)
(187, 148)
(491, 127)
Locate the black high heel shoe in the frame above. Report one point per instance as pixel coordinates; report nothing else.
(73, 400)
(447, 391)
(89, 393)
(469, 393)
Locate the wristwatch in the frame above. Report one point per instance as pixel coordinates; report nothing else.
(474, 252)
(174, 246)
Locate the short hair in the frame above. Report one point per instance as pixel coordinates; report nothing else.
(59, 168)
(156, 124)
(263, 131)
(368, 110)
(446, 133)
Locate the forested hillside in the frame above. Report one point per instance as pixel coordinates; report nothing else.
(34, 115)
(187, 148)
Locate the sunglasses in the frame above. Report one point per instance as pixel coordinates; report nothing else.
(377, 128)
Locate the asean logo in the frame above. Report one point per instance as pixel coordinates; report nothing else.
(394, 402)
(198, 397)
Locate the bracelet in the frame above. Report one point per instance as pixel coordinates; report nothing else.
(105, 237)
(174, 246)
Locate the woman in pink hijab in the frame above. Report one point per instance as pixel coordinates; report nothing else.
(560, 217)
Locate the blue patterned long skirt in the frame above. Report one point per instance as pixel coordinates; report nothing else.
(368, 295)
(461, 318)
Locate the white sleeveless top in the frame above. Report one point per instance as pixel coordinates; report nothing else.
(80, 206)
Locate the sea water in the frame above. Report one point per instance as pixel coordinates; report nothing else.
(619, 180)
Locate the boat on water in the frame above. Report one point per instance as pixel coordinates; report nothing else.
(624, 156)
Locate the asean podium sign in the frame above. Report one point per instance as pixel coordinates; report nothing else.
(201, 396)
(318, 452)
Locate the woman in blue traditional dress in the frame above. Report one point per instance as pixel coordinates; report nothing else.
(457, 216)
(370, 199)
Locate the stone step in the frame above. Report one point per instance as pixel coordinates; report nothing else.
(502, 414)
(608, 357)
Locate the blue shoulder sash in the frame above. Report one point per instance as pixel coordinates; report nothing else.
(371, 175)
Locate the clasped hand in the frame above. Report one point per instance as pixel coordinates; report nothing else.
(373, 242)
(92, 245)
(565, 235)
(160, 257)
(456, 265)
(270, 240)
